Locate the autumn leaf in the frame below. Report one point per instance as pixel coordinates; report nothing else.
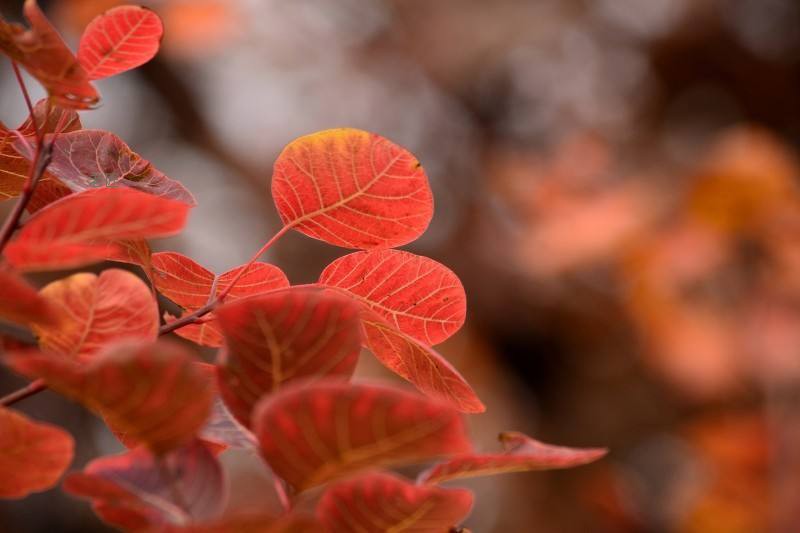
(421, 365)
(43, 53)
(222, 429)
(137, 490)
(120, 39)
(312, 434)
(522, 454)
(377, 502)
(91, 159)
(287, 335)
(252, 523)
(152, 393)
(21, 303)
(352, 188)
(33, 455)
(96, 310)
(81, 228)
(422, 298)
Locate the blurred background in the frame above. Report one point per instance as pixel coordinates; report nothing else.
(616, 183)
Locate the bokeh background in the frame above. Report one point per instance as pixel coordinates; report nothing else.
(616, 183)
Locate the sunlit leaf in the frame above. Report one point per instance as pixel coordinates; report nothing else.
(43, 53)
(120, 39)
(352, 188)
(421, 365)
(95, 310)
(21, 303)
(522, 454)
(81, 228)
(312, 434)
(422, 298)
(152, 393)
(377, 502)
(33, 455)
(273, 339)
(136, 490)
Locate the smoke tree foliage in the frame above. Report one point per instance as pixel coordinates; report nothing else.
(281, 384)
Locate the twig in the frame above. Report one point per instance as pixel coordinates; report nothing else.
(34, 387)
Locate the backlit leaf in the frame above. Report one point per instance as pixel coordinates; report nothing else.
(377, 502)
(91, 159)
(312, 434)
(151, 393)
(422, 298)
(421, 365)
(21, 303)
(81, 228)
(284, 336)
(43, 53)
(33, 455)
(120, 39)
(222, 429)
(136, 490)
(522, 454)
(95, 310)
(352, 188)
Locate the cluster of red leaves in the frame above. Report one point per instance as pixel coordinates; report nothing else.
(280, 384)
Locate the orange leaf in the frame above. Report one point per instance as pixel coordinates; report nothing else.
(352, 188)
(43, 53)
(284, 336)
(522, 454)
(151, 393)
(95, 310)
(120, 39)
(422, 298)
(376, 502)
(312, 434)
(81, 228)
(19, 302)
(33, 456)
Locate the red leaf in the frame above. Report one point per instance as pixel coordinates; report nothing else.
(522, 454)
(43, 53)
(352, 188)
(33, 455)
(377, 502)
(19, 302)
(136, 490)
(133, 252)
(312, 434)
(92, 159)
(422, 298)
(120, 39)
(222, 429)
(151, 393)
(203, 332)
(80, 228)
(96, 310)
(419, 364)
(273, 339)
(292, 523)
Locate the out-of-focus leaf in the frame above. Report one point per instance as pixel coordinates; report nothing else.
(33, 455)
(120, 39)
(377, 502)
(19, 302)
(352, 188)
(273, 339)
(222, 429)
(312, 434)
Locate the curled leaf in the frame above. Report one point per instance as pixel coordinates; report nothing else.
(352, 188)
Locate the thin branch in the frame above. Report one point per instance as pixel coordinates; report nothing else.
(34, 387)
(28, 100)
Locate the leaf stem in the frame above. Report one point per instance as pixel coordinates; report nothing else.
(34, 387)
(27, 97)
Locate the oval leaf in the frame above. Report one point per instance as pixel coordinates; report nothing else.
(43, 53)
(352, 188)
(21, 303)
(281, 337)
(95, 310)
(377, 502)
(523, 454)
(310, 435)
(120, 39)
(421, 365)
(33, 455)
(151, 393)
(136, 490)
(422, 298)
(82, 228)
